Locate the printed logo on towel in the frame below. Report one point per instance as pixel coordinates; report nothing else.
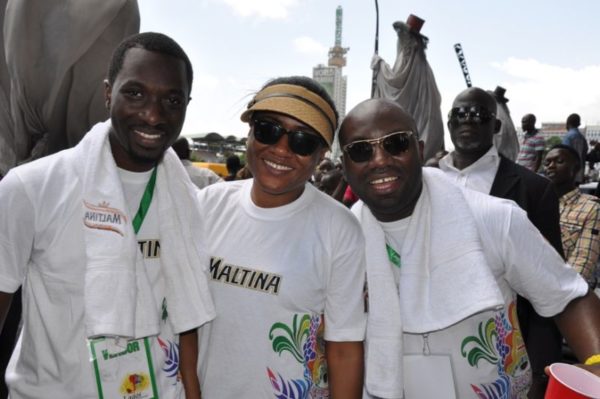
(244, 277)
(103, 217)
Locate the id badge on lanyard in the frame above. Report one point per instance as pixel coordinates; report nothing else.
(123, 369)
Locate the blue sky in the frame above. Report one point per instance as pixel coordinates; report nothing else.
(545, 53)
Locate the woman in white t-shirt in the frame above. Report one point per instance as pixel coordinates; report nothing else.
(286, 263)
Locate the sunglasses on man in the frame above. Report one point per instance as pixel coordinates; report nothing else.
(474, 114)
(393, 143)
(300, 142)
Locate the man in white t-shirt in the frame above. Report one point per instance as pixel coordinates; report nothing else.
(444, 265)
(102, 300)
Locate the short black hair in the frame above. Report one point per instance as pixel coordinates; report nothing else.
(574, 154)
(573, 120)
(182, 148)
(151, 41)
(233, 164)
(309, 84)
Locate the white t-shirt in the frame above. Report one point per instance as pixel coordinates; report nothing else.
(283, 280)
(42, 247)
(486, 350)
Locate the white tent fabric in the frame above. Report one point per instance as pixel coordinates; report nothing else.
(410, 83)
(506, 140)
(57, 54)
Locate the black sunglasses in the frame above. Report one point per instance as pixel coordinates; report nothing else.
(393, 143)
(300, 142)
(476, 114)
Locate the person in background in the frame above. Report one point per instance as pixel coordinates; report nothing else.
(287, 263)
(322, 168)
(234, 165)
(434, 162)
(100, 238)
(579, 213)
(576, 140)
(532, 148)
(476, 164)
(201, 177)
(444, 264)
(330, 182)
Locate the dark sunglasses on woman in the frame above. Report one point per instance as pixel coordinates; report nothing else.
(300, 142)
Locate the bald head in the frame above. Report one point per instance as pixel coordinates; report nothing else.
(374, 112)
(476, 95)
(472, 124)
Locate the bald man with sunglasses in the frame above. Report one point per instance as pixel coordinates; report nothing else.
(476, 164)
(444, 264)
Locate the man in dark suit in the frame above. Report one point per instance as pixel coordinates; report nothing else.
(476, 164)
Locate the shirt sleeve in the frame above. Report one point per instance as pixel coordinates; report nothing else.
(535, 270)
(17, 232)
(345, 315)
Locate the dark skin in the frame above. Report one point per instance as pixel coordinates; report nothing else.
(472, 140)
(188, 364)
(390, 185)
(147, 104)
(279, 174)
(579, 322)
(5, 301)
(561, 167)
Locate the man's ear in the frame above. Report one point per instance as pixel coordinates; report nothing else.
(497, 126)
(107, 93)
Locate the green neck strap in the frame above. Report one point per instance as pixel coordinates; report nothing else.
(393, 256)
(145, 202)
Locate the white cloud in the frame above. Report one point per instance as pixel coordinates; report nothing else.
(308, 45)
(271, 9)
(551, 92)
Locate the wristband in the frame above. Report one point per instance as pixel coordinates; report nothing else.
(594, 359)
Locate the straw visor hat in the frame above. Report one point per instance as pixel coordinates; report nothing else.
(297, 102)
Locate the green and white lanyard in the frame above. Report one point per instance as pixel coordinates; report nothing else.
(144, 203)
(393, 256)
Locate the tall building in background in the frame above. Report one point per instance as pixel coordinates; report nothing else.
(331, 76)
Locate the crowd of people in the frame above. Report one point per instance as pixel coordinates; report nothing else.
(141, 278)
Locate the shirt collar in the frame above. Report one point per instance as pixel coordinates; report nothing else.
(490, 157)
(570, 196)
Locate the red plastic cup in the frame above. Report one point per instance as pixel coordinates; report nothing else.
(571, 382)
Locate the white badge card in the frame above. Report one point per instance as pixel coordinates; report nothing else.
(428, 377)
(123, 369)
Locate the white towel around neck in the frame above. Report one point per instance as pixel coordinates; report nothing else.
(444, 278)
(118, 296)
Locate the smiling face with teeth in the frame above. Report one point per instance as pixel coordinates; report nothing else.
(389, 185)
(147, 103)
(279, 174)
